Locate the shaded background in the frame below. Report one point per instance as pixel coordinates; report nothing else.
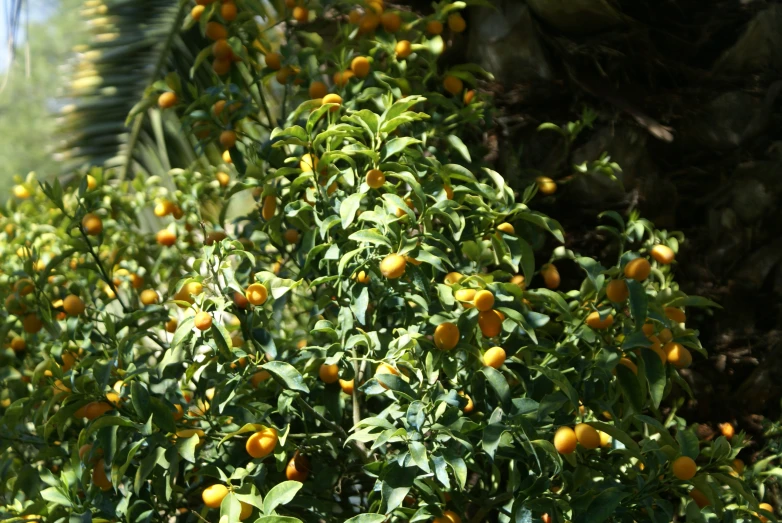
(689, 102)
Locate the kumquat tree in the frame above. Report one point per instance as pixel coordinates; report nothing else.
(339, 312)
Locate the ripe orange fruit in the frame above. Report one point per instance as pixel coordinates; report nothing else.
(221, 50)
(328, 373)
(727, 430)
(453, 84)
(223, 178)
(298, 468)
(587, 436)
(24, 287)
(663, 254)
(246, 512)
(565, 440)
(347, 386)
(203, 320)
(274, 61)
(99, 477)
(179, 412)
(665, 335)
(213, 495)
(318, 90)
(617, 291)
(465, 296)
(594, 321)
(262, 443)
(301, 14)
(167, 100)
(73, 305)
(216, 31)
(221, 67)
(259, 377)
(18, 344)
(403, 49)
(84, 450)
(605, 439)
(699, 498)
(638, 269)
(684, 468)
(148, 297)
(470, 405)
(333, 99)
(376, 178)
(163, 208)
(228, 12)
(96, 409)
(507, 228)
(354, 17)
(256, 294)
(196, 12)
(392, 22)
(31, 324)
(678, 355)
(291, 236)
(449, 516)
(360, 66)
(58, 387)
(483, 300)
(228, 139)
(768, 508)
(376, 6)
(21, 192)
(675, 315)
(308, 163)
(92, 224)
(434, 27)
(494, 357)
(269, 207)
(452, 278)
(468, 97)
(545, 518)
(456, 23)
(341, 78)
(368, 23)
(393, 266)
(490, 323)
(738, 466)
(546, 185)
(550, 276)
(660, 352)
(446, 336)
(362, 277)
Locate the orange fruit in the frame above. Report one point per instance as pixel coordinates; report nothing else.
(465, 296)
(403, 49)
(148, 297)
(494, 357)
(228, 139)
(92, 224)
(660, 352)
(203, 320)
(629, 364)
(676, 315)
(262, 443)
(565, 440)
(468, 97)
(333, 99)
(662, 254)
(665, 335)
(727, 430)
(393, 266)
(165, 237)
(291, 236)
(448, 516)
(638, 269)
(452, 278)
(617, 291)
(550, 276)
(360, 66)
(376, 178)
(256, 294)
(221, 66)
(507, 228)
(546, 185)
(298, 468)
(274, 61)
(167, 100)
(678, 355)
(594, 321)
(453, 84)
(470, 405)
(684, 468)
(221, 50)
(354, 17)
(362, 277)
(163, 208)
(699, 498)
(216, 31)
(456, 23)
(18, 344)
(318, 90)
(446, 336)
(31, 324)
(341, 78)
(587, 436)
(483, 300)
(368, 22)
(347, 386)
(99, 477)
(213, 495)
(392, 22)
(259, 377)
(328, 373)
(434, 27)
(223, 178)
(269, 207)
(196, 12)
(73, 305)
(301, 14)
(228, 12)
(768, 508)
(246, 512)
(490, 323)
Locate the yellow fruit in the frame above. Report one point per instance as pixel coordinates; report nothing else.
(308, 163)
(448, 516)
(727, 430)
(347, 386)
(546, 185)
(301, 14)
(663, 254)
(587, 436)
(256, 294)
(92, 224)
(605, 439)
(362, 277)
(262, 443)
(768, 508)
(196, 12)
(213, 495)
(18, 344)
(392, 22)
(298, 468)
(163, 208)
(269, 207)
(393, 266)
(21, 192)
(59, 387)
(246, 512)
(507, 228)
(483, 300)
(638, 269)
(203, 320)
(333, 99)
(565, 440)
(684, 468)
(494, 357)
(594, 321)
(519, 280)
(360, 66)
(453, 84)
(328, 373)
(434, 27)
(165, 237)
(216, 31)
(446, 336)
(678, 355)
(274, 61)
(490, 323)
(167, 100)
(341, 78)
(318, 90)
(550, 276)
(465, 296)
(376, 178)
(452, 278)
(99, 477)
(368, 22)
(223, 178)
(291, 236)
(470, 405)
(456, 23)
(73, 305)
(403, 49)
(148, 297)
(675, 315)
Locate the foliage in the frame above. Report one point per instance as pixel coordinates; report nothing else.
(306, 339)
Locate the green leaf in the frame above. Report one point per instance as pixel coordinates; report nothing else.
(187, 447)
(277, 519)
(418, 453)
(397, 145)
(367, 518)
(55, 495)
(620, 436)
(458, 144)
(631, 387)
(655, 375)
(737, 485)
(498, 383)
(287, 375)
(688, 443)
(561, 381)
(139, 397)
(602, 506)
(372, 236)
(280, 494)
(162, 416)
(348, 208)
(543, 221)
(639, 303)
(396, 483)
(396, 384)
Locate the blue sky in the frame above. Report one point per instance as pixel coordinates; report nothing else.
(38, 10)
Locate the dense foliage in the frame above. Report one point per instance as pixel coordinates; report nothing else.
(345, 319)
